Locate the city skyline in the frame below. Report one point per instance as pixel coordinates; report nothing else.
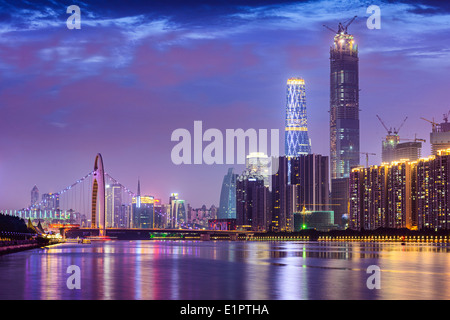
(126, 80)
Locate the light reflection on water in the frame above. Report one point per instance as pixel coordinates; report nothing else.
(227, 270)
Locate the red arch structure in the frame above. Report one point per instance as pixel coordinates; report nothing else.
(98, 196)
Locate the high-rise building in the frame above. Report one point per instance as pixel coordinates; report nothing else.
(252, 202)
(388, 148)
(257, 163)
(143, 210)
(296, 129)
(34, 195)
(344, 117)
(440, 135)
(113, 205)
(283, 197)
(410, 151)
(50, 201)
(311, 174)
(405, 194)
(177, 212)
(227, 205)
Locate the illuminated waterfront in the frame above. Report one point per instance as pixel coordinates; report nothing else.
(237, 270)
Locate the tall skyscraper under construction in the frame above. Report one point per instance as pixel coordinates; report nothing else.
(296, 130)
(344, 115)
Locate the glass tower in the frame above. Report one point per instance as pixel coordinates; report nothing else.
(227, 207)
(344, 105)
(344, 118)
(296, 130)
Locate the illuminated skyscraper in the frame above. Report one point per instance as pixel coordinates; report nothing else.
(344, 117)
(344, 105)
(296, 130)
(227, 206)
(143, 211)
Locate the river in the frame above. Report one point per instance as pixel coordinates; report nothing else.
(227, 270)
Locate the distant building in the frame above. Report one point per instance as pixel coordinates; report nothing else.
(257, 163)
(143, 210)
(34, 196)
(393, 150)
(160, 214)
(50, 201)
(252, 202)
(281, 196)
(177, 212)
(113, 204)
(227, 206)
(410, 151)
(440, 136)
(222, 224)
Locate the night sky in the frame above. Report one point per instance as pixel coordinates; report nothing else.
(136, 71)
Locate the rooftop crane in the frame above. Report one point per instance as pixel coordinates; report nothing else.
(389, 131)
(342, 27)
(433, 124)
(396, 132)
(367, 157)
(415, 139)
(446, 115)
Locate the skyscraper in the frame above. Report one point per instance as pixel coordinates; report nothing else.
(344, 117)
(143, 210)
(34, 195)
(296, 130)
(227, 206)
(257, 163)
(311, 174)
(252, 202)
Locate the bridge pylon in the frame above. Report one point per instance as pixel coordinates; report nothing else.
(98, 212)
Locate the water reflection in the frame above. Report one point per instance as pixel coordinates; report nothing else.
(227, 270)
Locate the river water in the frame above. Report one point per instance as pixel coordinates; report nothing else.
(227, 270)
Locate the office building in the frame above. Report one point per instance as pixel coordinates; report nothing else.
(143, 210)
(50, 201)
(344, 117)
(410, 151)
(227, 205)
(252, 202)
(177, 216)
(440, 135)
(296, 129)
(280, 194)
(311, 175)
(34, 195)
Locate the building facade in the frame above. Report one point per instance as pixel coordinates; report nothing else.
(406, 194)
(296, 129)
(252, 202)
(344, 118)
(227, 205)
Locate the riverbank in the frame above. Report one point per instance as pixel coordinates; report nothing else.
(21, 245)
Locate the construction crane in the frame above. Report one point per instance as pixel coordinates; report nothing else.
(389, 131)
(398, 130)
(446, 115)
(433, 124)
(367, 157)
(415, 139)
(342, 27)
